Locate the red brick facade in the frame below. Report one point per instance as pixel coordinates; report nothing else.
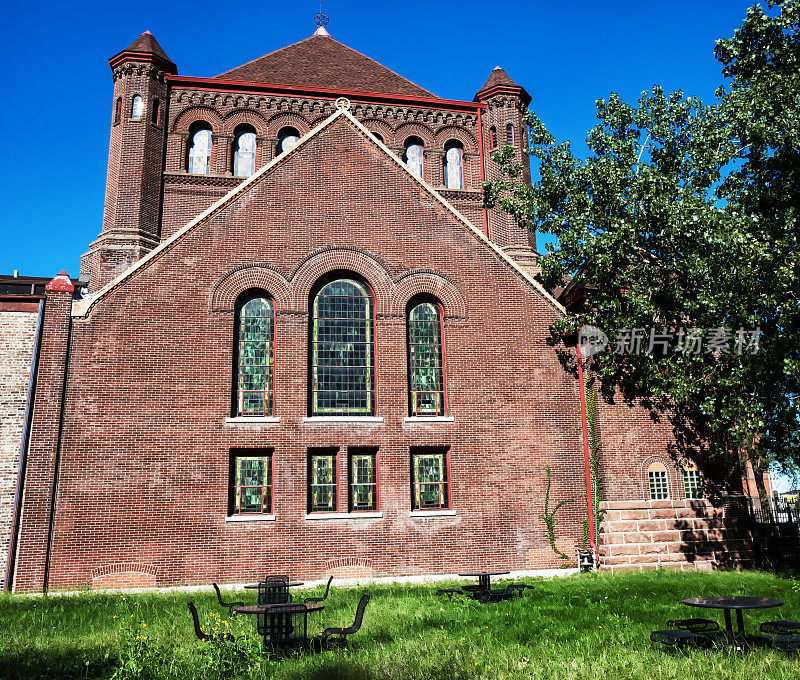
(132, 424)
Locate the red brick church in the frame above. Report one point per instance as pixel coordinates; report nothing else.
(305, 347)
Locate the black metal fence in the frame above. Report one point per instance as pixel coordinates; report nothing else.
(779, 511)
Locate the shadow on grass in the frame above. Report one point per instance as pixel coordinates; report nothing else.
(56, 663)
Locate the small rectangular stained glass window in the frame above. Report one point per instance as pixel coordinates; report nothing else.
(363, 481)
(429, 480)
(693, 483)
(252, 484)
(322, 481)
(659, 489)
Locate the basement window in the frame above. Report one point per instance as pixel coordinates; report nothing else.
(657, 482)
(693, 482)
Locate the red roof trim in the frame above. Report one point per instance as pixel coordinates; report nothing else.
(216, 84)
(504, 89)
(127, 55)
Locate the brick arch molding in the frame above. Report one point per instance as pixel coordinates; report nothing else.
(427, 282)
(233, 284)
(284, 119)
(451, 132)
(348, 259)
(193, 114)
(239, 116)
(407, 130)
(672, 476)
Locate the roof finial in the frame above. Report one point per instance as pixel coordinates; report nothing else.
(322, 21)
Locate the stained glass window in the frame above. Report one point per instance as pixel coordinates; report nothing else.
(252, 484)
(255, 357)
(429, 475)
(200, 151)
(413, 156)
(244, 153)
(657, 480)
(425, 372)
(363, 481)
(342, 362)
(322, 482)
(693, 483)
(137, 107)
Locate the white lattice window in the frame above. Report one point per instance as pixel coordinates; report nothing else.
(657, 481)
(693, 482)
(137, 108)
(453, 166)
(413, 156)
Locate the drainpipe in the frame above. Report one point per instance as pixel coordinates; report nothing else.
(23, 455)
(586, 456)
(483, 173)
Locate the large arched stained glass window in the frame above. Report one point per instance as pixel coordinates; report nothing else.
(256, 321)
(425, 369)
(342, 356)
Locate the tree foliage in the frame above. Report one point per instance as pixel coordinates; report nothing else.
(684, 215)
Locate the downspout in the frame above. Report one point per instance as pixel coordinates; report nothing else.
(586, 456)
(483, 173)
(23, 455)
(57, 464)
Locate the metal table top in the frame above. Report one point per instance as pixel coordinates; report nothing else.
(280, 608)
(735, 602)
(482, 573)
(254, 586)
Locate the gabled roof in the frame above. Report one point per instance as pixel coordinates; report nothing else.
(146, 44)
(81, 308)
(322, 62)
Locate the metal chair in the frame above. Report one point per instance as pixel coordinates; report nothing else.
(695, 625)
(328, 633)
(199, 631)
(785, 643)
(271, 592)
(324, 597)
(449, 592)
(677, 638)
(229, 605)
(780, 628)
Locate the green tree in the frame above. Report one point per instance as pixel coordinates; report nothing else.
(684, 216)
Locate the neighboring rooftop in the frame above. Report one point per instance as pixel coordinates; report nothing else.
(324, 63)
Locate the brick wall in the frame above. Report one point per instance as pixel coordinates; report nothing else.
(684, 534)
(145, 446)
(17, 336)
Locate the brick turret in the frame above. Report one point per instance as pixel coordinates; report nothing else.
(502, 124)
(131, 219)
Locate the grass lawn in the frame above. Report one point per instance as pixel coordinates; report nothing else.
(594, 626)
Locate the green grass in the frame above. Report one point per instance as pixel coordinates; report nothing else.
(594, 626)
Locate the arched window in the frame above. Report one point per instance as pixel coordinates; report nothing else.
(200, 149)
(118, 110)
(453, 165)
(413, 156)
(510, 134)
(657, 482)
(155, 116)
(244, 152)
(287, 138)
(425, 369)
(493, 137)
(378, 136)
(342, 371)
(692, 482)
(255, 320)
(137, 107)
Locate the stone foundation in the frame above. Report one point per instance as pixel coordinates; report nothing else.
(683, 534)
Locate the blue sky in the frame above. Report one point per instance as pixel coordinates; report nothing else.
(58, 93)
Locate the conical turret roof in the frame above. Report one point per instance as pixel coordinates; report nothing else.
(499, 79)
(146, 43)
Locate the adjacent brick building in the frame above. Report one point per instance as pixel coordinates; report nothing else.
(305, 346)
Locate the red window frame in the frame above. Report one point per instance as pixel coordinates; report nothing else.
(234, 494)
(363, 451)
(322, 451)
(444, 485)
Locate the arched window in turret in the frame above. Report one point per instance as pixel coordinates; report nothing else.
(156, 113)
(137, 107)
(453, 165)
(255, 327)
(244, 151)
(425, 367)
(118, 110)
(510, 134)
(342, 361)
(200, 149)
(287, 138)
(493, 137)
(413, 156)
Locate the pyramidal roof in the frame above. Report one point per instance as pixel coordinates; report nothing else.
(320, 62)
(147, 44)
(498, 77)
